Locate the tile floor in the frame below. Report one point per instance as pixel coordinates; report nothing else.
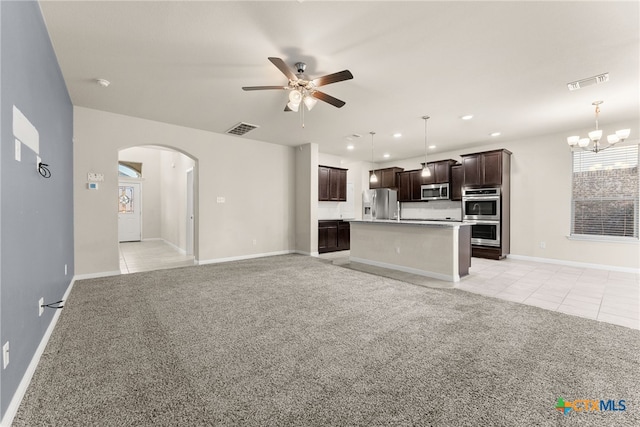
(607, 296)
(151, 255)
(603, 295)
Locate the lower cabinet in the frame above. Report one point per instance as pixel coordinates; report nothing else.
(333, 235)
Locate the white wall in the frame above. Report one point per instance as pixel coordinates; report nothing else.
(306, 199)
(541, 201)
(226, 166)
(173, 196)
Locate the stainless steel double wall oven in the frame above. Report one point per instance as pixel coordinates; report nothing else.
(482, 205)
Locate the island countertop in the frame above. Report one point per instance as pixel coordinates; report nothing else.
(438, 249)
(420, 222)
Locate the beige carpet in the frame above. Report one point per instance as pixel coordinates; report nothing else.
(295, 341)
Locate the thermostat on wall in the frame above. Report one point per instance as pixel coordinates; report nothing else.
(92, 185)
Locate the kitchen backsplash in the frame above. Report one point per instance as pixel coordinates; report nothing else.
(338, 210)
(435, 210)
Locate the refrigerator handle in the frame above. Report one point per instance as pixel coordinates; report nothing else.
(374, 214)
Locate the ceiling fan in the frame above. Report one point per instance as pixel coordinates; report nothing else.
(302, 88)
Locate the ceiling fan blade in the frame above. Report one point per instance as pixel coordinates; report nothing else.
(263, 87)
(282, 66)
(328, 98)
(333, 78)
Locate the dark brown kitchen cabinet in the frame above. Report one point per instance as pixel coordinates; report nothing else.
(490, 168)
(333, 235)
(409, 186)
(387, 178)
(440, 172)
(457, 178)
(332, 184)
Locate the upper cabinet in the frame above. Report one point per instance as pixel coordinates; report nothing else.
(457, 179)
(409, 186)
(440, 172)
(387, 178)
(486, 168)
(332, 184)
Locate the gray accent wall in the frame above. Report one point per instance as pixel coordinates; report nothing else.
(36, 215)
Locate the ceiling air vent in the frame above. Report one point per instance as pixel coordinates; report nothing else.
(242, 128)
(600, 78)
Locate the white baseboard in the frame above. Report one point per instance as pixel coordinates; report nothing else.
(575, 263)
(242, 257)
(96, 275)
(416, 271)
(12, 409)
(315, 254)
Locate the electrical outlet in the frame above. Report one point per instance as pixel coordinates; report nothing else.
(255, 242)
(220, 199)
(5, 355)
(18, 149)
(38, 161)
(65, 269)
(543, 245)
(40, 306)
(398, 250)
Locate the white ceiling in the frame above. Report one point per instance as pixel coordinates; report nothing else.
(507, 63)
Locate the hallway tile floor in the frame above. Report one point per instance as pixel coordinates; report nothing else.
(149, 255)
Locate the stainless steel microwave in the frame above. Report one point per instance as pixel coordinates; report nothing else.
(434, 192)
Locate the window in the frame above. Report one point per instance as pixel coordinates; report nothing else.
(605, 193)
(129, 169)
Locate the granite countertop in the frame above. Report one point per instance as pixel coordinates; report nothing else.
(425, 223)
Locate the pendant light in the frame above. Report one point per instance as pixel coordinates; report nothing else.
(373, 177)
(425, 169)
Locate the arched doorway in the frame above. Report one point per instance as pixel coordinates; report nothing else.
(167, 203)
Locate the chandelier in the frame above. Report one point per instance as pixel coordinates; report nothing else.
(596, 135)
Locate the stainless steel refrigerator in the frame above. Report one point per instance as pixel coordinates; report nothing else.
(381, 203)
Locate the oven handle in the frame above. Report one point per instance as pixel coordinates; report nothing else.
(480, 197)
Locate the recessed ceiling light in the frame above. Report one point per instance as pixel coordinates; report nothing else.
(103, 82)
(467, 117)
(386, 155)
(397, 135)
(495, 134)
(350, 147)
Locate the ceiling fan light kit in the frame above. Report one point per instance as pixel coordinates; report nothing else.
(302, 89)
(596, 135)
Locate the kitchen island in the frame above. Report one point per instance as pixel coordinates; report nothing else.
(438, 249)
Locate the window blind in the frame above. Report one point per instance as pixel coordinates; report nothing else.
(605, 192)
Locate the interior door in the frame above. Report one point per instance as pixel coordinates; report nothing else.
(129, 212)
(190, 212)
